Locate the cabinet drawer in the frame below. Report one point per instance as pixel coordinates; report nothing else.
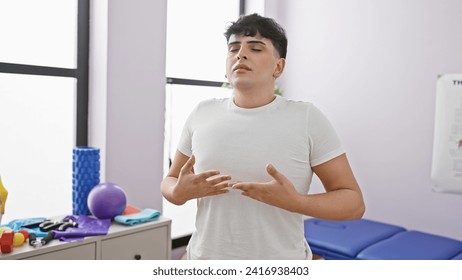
(82, 252)
(145, 245)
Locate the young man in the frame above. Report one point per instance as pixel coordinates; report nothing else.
(249, 160)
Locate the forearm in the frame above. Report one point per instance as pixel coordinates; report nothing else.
(167, 188)
(340, 204)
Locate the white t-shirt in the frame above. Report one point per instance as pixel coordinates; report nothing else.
(293, 136)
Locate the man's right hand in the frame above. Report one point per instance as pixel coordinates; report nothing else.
(191, 185)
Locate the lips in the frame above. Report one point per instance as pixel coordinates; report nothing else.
(241, 66)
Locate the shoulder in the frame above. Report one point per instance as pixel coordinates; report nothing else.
(309, 108)
(209, 106)
(297, 107)
(307, 111)
(212, 103)
(294, 104)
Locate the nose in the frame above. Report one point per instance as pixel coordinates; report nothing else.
(241, 54)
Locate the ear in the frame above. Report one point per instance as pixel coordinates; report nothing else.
(279, 68)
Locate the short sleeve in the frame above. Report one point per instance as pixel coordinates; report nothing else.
(325, 144)
(185, 142)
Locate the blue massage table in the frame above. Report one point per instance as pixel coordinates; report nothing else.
(458, 257)
(371, 240)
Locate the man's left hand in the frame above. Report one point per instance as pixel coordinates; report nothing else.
(279, 192)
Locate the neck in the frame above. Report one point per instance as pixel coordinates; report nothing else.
(253, 98)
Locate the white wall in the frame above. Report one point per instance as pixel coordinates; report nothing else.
(371, 66)
(127, 95)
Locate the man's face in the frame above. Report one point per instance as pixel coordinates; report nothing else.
(252, 61)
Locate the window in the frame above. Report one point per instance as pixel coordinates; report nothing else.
(195, 67)
(43, 102)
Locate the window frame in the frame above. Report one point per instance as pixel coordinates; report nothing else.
(207, 83)
(80, 73)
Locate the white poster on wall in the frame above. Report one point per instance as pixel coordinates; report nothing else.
(447, 143)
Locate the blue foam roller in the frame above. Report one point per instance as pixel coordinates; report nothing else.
(413, 245)
(85, 175)
(343, 240)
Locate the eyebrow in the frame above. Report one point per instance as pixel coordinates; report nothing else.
(248, 42)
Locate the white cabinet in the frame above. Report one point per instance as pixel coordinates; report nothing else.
(144, 245)
(82, 252)
(147, 241)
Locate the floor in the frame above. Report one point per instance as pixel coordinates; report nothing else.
(179, 253)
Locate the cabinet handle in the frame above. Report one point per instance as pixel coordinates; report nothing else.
(137, 257)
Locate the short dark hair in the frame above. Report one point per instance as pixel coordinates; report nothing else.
(268, 28)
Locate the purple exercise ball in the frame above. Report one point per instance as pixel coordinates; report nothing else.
(106, 200)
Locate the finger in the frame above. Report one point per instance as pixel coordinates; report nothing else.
(207, 174)
(232, 183)
(245, 194)
(219, 179)
(273, 172)
(244, 186)
(189, 165)
(217, 192)
(223, 185)
(250, 195)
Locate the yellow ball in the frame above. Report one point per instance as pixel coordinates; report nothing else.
(2, 229)
(18, 239)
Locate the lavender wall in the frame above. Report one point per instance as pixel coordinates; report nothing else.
(127, 95)
(372, 66)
